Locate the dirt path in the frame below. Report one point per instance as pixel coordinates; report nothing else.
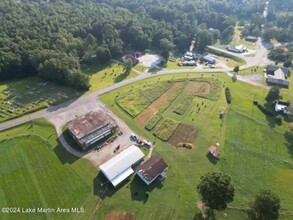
(145, 116)
(150, 153)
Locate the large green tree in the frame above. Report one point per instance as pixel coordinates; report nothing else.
(265, 206)
(273, 94)
(216, 190)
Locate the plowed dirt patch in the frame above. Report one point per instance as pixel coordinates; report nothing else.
(183, 134)
(152, 109)
(194, 88)
(119, 216)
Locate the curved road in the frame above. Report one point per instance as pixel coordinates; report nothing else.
(60, 114)
(259, 59)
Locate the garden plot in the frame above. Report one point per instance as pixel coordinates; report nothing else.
(135, 101)
(195, 88)
(183, 134)
(153, 121)
(192, 90)
(165, 129)
(166, 99)
(209, 88)
(19, 97)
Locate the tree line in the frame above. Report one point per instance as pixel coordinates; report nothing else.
(54, 38)
(277, 25)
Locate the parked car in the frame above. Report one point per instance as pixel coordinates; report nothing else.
(147, 143)
(133, 137)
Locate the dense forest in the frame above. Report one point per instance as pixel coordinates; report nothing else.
(277, 25)
(53, 38)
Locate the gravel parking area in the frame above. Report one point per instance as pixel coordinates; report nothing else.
(97, 157)
(150, 60)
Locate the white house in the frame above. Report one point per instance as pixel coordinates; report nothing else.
(282, 107)
(119, 167)
(153, 168)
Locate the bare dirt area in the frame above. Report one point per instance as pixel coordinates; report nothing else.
(119, 216)
(198, 88)
(183, 133)
(146, 114)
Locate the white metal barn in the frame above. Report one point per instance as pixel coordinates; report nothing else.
(119, 167)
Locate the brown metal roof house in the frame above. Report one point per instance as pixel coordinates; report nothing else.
(277, 75)
(214, 151)
(151, 169)
(90, 128)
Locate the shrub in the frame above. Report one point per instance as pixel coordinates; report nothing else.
(147, 193)
(279, 120)
(228, 95)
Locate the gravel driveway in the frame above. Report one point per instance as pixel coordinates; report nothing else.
(104, 154)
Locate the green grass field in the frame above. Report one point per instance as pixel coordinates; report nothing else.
(174, 65)
(102, 76)
(231, 60)
(140, 68)
(37, 172)
(22, 96)
(238, 40)
(254, 154)
(251, 70)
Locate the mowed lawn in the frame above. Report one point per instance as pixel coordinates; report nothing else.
(254, 154)
(102, 76)
(256, 157)
(37, 172)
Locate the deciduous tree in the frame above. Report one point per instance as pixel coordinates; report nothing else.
(265, 206)
(216, 190)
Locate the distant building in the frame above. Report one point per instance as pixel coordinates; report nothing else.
(270, 70)
(132, 58)
(153, 168)
(214, 151)
(90, 128)
(119, 167)
(189, 63)
(283, 107)
(251, 38)
(137, 53)
(213, 30)
(238, 49)
(208, 59)
(188, 56)
(277, 75)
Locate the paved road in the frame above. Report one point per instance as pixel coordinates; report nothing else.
(84, 100)
(61, 114)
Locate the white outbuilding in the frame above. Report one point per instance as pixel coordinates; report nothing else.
(119, 167)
